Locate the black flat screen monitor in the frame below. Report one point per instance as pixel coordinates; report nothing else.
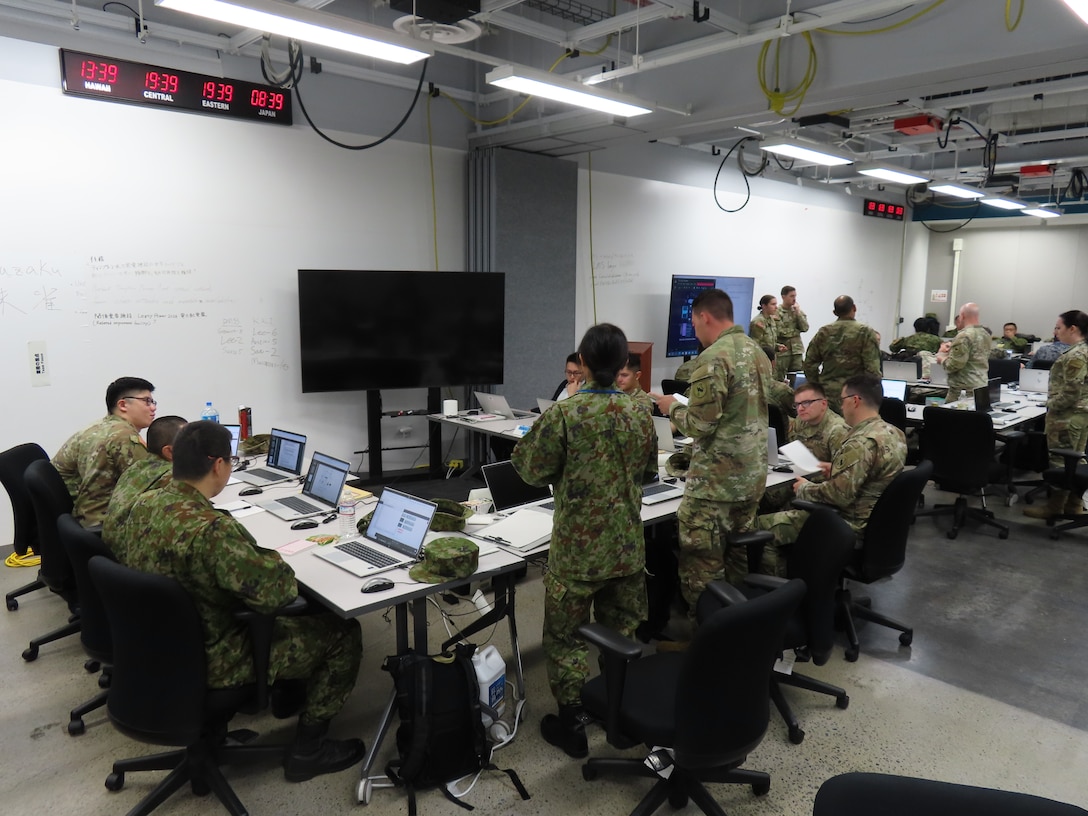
(361, 330)
(680, 340)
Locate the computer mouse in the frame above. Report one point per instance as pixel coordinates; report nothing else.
(782, 469)
(250, 491)
(304, 524)
(377, 584)
(1009, 410)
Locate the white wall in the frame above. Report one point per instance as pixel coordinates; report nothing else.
(644, 232)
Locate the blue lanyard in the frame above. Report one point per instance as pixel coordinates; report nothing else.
(596, 391)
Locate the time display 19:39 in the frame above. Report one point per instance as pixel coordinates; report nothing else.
(136, 83)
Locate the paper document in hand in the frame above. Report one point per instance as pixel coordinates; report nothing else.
(802, 458)
(680, 398)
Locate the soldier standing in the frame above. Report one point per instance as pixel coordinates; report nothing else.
(176, 531)
(967, 357)
(726, 416)
(791, 322)
(763, 328)
(841, 350)
(595, 449)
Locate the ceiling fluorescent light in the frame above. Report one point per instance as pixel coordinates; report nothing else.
(541, 83)
(957, 190)
(893, 175)
(814, 154)
(1004, 203)
(1079, 8)
(308, 25)
(1039, 212)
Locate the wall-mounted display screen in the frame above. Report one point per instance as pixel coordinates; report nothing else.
(680, 339)
(362, 330)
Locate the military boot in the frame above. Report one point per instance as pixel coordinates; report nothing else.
(567, 730)
(1054, 506)
(312, 753)
(1074, 504)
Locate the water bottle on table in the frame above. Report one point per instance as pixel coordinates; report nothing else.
(210, 413)
(346, 514)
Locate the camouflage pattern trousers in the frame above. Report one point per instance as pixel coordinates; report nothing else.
(325, 651)
(704, 555)
(1065, 431)
(618, 603)
(791, 360)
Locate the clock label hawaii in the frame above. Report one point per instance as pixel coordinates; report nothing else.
(136, 83)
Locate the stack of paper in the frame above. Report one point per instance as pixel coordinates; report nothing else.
(522, 530)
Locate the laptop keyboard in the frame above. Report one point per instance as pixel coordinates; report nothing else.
(265, 474)
(299, 505)
(548, 505)
(364, 553)
(653, 490)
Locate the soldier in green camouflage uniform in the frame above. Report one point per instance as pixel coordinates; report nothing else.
(92, 460)
(147, 474)
(1067, 409)
(921, 340)
(763, 328)
(176, 531)
(1009, 341)
(727, 417)
(871, 455)
(627, 382)
(684, 370)
(967, 357)
(841, 350)
(595, 449)
(780, 395)
(792, 321)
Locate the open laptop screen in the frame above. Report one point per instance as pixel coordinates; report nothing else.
(400, 521)
(508, 489)
(325, 479)
(895, 389)
(285, 450)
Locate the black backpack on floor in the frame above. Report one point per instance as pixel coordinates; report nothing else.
(441, 736)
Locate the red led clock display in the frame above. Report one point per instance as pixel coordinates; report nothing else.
(882, 209)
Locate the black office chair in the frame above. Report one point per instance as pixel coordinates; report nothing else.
(778, 422)
(1043, 365)
(1073, 475)
(159, 694)
(81, 545)
(894, 412)
(710, 704)
(13, 464)
(818, 557)
(865, 794)
(963, 449)
(882, 553)
(51, 500)
(1005, 368)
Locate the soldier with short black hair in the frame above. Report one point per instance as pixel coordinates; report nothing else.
(840, 350)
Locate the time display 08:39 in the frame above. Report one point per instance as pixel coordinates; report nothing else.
(136, 83)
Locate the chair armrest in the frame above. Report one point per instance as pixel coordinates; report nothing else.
(811, 506)
(764, 581)
(617, 652)
(725, 593)
(753, 543)
(260, 635)
(1068, 453)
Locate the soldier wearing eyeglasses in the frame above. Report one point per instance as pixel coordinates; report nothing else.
(92, 460)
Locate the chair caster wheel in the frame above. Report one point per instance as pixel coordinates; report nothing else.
(115, 781)
(906, 638)
(103, 681)
(952, 533)
(364, 792)
(797, 736)
(851, 654)
(91, 666)
(843, 701)
(1003, 534)
(76, 727)
(199, 787)
(678, 800)
(761, 788)
(589, 773)
(30, 653)
(12, 604)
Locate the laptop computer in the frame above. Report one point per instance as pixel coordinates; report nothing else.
(993, 390)
(393, 538)
(797, 379)
(320, 492)
(508, 490)
(908, 370)
(937, 375)
(497, 404)
(983, 395)
(772, 447)
(285, 452)
(544, 404)
(1035, 380)
(235, 438)
(895, 389)
(665, 440)
(656, 492)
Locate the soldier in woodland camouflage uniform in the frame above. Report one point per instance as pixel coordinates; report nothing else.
(595, 449)
(967, 357)
(147, 474)
(627, 382)
(92, 460)
(1010, 340)
(726, 415)
(1067, 409)
(683, 371)
(792, 321)
(763, 328)
(871, 455)
(921, 340)
(841, 350)
(176, 531)
(818, 429)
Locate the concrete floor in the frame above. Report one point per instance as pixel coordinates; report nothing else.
(991, 693)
